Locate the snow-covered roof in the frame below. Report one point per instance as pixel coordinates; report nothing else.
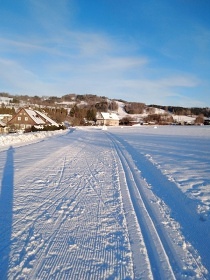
(5, 100)
(181, 118)
(47, 118)
(35, 117)
(2, 123)
(110, 116)
(5, 115)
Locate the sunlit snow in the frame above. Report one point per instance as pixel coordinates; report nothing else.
(115, 203)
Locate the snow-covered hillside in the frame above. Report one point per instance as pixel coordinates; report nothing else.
(122, 203)
(178, 118)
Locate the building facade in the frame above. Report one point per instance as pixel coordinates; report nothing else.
(26, 118)
(109, 119)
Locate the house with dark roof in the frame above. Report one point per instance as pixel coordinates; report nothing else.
(206, 121)
(26, 118)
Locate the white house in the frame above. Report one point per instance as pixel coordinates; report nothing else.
(5, 100)
(2, 127)
(109, 119)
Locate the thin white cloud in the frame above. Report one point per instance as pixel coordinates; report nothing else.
(51, 16)
(68, 61)
(65, 43)
(149, 91)
(20, 45)
(88, 44)
(180, 81)
(17, 79)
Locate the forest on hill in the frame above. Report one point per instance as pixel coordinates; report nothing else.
(91, 99)
(79, 109)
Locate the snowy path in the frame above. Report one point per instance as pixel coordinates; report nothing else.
(80, 206)
(67, 217)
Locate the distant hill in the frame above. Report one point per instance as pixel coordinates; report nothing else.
(80, 109)
(185, 110)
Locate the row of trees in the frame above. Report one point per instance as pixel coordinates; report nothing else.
(161, 119)
(81, 115)
(185, 111)
(6, 110)
(88, 99)
(82, 109)
(91, 100)
(134, 108)
(57, 114)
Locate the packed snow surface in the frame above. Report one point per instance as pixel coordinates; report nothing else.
(115, 203)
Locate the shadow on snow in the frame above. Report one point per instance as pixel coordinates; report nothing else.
(6, 206)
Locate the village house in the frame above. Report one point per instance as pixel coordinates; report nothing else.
(135, 121)
(2, 127)
(109, 119)
(206, 121)
(26, 118)
(5, 100)
(5, 117)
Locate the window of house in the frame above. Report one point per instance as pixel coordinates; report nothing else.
(19, 118)
(26, 118)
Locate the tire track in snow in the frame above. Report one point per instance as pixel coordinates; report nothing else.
(184, 260)
(141, 264)
(159, 260)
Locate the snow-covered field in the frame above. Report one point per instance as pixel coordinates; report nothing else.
(122, 203)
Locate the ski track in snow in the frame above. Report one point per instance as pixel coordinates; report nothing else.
(85, 206)
(68, 221)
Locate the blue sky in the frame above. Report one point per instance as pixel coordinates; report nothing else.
(156, 52)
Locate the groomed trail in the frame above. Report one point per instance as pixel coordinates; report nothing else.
(78, 206)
